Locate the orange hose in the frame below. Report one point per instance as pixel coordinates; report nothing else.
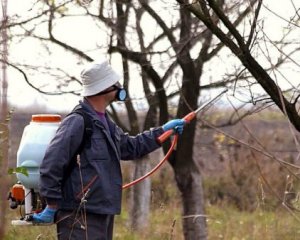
(156, 167)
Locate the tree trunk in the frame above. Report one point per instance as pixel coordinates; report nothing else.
(188, 177)
(3, 123)
(194, 221)
(3, 162)
(189, 182)
(141, 193)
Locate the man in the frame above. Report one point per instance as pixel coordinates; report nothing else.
(82, 185)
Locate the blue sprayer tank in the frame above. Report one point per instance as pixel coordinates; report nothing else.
(35, 139)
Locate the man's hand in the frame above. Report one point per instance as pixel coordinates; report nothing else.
(46, 216)
(175, 124)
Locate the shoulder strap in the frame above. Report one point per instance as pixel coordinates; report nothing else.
(88, 128)
(86, 138)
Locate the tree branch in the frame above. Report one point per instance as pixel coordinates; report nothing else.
(141, 59)
(248, 60)
(227, 23)
(62, 44)
(253, 26)
(36, 88)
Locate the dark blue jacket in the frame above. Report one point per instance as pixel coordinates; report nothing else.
(95, 175)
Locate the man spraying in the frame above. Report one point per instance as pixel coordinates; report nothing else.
(81, 178)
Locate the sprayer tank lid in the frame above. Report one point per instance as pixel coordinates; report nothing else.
(46, 118)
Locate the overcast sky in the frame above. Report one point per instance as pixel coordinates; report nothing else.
(27, 50)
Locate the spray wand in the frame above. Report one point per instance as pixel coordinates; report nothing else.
(162, 138)
(189, 117)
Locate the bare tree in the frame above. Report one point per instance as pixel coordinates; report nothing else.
(187, 174)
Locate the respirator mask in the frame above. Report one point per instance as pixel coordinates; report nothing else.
(121, 93)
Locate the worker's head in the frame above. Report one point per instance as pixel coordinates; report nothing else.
(98, 78)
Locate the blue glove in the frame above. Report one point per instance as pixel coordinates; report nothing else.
(175, 124)
(46, 216)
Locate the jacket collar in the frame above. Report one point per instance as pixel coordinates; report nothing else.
(110, 137)
(90, 110)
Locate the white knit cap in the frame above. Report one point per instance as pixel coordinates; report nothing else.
(96, 77)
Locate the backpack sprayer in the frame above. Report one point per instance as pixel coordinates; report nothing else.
(35, 139)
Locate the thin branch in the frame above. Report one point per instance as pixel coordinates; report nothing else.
(159, 20)
(253, 26)
(36, 88)
(262, 151)
(62, 44)
(43, 13)
(227, 23)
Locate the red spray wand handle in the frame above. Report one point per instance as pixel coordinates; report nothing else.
(189, 117)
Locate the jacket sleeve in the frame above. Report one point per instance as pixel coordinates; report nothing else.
(59, 153)
(133, 147)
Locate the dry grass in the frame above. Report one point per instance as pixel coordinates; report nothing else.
(223, 223)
